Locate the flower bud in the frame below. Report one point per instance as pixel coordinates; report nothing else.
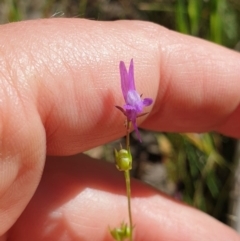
(123, 160)
(121, 233)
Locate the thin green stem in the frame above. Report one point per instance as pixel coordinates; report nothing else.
(128, 187)
(127, 180)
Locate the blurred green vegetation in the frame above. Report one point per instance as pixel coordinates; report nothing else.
(199, 164)
(201, 170)
(215, 20)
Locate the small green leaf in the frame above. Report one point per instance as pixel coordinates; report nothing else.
(122, 233)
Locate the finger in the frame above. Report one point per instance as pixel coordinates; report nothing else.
(71, 68)
(80, 198)
(198, 88)
(60, 83)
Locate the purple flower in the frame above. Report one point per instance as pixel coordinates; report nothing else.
(134, 105)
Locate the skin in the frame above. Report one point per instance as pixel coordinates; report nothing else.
(59, 84)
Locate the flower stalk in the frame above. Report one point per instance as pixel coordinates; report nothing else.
(123, 159)
(132, 109)
(128, 187)
(128, 182)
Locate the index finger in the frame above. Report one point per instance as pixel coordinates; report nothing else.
(71, 68)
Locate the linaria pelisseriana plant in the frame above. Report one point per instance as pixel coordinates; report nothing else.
(132, 109)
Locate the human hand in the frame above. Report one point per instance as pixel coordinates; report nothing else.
(59, 85)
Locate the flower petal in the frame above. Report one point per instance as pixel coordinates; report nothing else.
(130, 112)
(133, 98)
(131, 80)
(147, 101)
(124, 79)
(134, 104)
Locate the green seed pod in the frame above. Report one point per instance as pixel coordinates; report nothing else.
(123, 160)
